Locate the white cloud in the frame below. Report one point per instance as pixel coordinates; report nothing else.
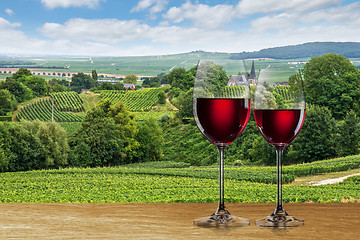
(335, 15)
(5, 24)
(71, 3)
(9, 12)
(343, 15)
(191, 26)
(279, 21)
(101, 30)
(201, 15)
(154, 6)
(248, 7)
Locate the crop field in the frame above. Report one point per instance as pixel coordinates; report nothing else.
(62, 109)
(174, 182)
(135, 101)
(145, 65)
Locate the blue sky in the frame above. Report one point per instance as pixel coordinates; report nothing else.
(157, 27)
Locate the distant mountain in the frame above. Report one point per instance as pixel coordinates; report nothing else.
(306, 50)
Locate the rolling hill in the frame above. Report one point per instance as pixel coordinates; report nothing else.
(306, 50)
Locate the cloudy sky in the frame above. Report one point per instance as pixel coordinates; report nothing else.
(156, 27)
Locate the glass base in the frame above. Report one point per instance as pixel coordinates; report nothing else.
(222, 218)
(279, 219)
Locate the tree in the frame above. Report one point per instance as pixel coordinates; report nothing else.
(107, 137)
(184, 104)
(118, 86)
(181, 79)
(97, 143)
(82, 81)
(37, 84)
(262, 152)
(131, 79)
(348, 135)
(106, 86)
(332, 81)
(7, 102)
(22, 72)
(33, 145)
(175, 75)
(162, 97)
(150, 140)
(155, 82)
(18, 89)
(51, 138)
(315, 140)
(94, 75)
(146, 82)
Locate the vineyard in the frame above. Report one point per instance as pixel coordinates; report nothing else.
(284, 92)
(68, 101)
(135, 101)
(233, 91)
(59, 106)
(173, 182)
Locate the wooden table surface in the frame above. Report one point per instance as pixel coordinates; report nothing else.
(170, 221)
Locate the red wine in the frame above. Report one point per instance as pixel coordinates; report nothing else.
(221, 120)
(279, 127)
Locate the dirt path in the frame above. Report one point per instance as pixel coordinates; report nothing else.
(332, 180)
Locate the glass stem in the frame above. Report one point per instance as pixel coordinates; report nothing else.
(279, 203)
(221, 149)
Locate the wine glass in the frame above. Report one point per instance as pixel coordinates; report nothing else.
(279, 110)
(221, 108)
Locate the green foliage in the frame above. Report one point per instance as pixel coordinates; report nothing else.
(315, 140)
(353, 179)
(191, 146)
(323, 166)
(38, 85)
(22, 72)
(18, 89)
(94, 75)
(175, 77)
(4, 160)
(131, 79)
(42, 109)
(7, 102)
(33, 145)
(348, 135)
(262, 151)
(52, 140)
(150, 139)
(107, 137)
(184, 103)
(179, 183)
(333, 81)
(135, 101)
(97, 143)
(82, 81)
(162, 97)
(68, 101)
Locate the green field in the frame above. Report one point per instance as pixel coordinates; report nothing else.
(144, 65)
(174, 182)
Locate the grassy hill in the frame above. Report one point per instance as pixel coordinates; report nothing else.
(306, 50)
